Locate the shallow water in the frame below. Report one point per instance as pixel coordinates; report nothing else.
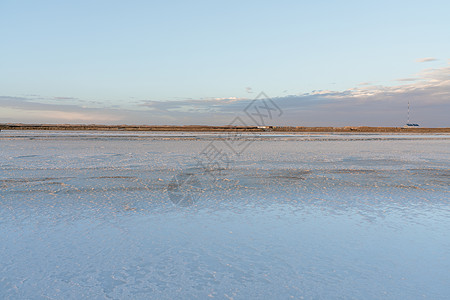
(136, 215)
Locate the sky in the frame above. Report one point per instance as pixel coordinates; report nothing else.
(325, 63)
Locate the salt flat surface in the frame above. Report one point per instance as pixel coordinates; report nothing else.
(120, 215)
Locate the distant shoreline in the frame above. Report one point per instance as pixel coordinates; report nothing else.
(203, 128)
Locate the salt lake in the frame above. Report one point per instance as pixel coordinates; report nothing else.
(170, 215)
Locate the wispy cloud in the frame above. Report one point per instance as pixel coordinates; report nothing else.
(426, 59)
(65, 98)
(407, 79)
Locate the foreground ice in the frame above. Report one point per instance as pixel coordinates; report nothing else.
(138, 216)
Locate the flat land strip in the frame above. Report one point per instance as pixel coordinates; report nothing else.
(203, 128)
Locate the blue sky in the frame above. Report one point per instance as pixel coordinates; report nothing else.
(105, 61)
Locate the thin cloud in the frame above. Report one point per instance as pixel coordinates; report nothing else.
(65, 98)
(21, 109)
(407, 79)
(426, 59)
(75, 116)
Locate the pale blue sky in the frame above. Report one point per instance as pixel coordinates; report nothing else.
(109, 53)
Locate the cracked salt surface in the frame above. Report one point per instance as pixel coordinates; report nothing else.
(89, 215)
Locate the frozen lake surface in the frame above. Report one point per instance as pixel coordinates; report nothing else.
(120, 215)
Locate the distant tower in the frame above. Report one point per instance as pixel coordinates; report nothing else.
(408, 124)
(408, 113)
